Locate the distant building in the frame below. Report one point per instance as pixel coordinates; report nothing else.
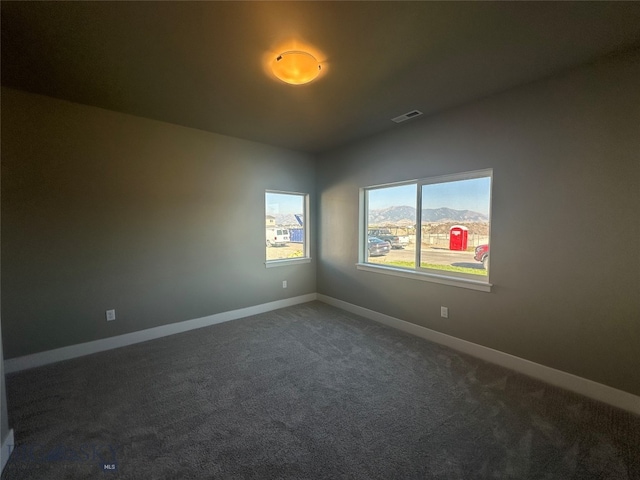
(271, 221)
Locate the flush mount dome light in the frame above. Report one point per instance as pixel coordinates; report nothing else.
(296, 67)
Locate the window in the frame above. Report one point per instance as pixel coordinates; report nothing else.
(286, 231)
(434, 229)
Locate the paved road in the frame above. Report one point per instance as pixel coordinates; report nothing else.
(438, 256)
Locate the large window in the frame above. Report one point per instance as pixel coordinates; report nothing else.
(286, 231)
(434, 229)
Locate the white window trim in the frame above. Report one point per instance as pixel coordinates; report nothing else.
(426, 277)
(306, 258)
(420, 273)
(284, 262)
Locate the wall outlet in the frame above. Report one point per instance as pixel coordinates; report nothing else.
(111, 315)
(444, 312)
(284, 284)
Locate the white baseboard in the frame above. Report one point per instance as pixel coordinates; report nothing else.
(7, 448)
(568, 381)
(73, 351)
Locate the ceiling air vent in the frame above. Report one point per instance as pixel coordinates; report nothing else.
(407, 116)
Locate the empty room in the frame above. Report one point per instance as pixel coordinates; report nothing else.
(320, 240)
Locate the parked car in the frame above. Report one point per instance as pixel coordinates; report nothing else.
(482, 254)
(378, 247)
(396, 241)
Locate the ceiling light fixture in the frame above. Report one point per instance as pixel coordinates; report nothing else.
(296, 67)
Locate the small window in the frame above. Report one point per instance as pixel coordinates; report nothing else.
(286, 231)
(433, 229)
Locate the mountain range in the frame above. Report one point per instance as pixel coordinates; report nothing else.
(287, 219)
(406, 214)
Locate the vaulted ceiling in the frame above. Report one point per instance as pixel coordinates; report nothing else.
(202, 64)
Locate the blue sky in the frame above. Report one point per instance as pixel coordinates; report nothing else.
(470, 194)
(284, 203)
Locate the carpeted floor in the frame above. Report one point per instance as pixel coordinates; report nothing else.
(306, 392)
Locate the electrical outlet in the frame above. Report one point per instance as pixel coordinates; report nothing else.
(284, 284)
(111, 315)
(444, 312)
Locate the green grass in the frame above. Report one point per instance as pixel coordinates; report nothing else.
(444, 268)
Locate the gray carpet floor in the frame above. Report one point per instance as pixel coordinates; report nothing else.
(307, 392)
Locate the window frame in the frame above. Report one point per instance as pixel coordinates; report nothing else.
(306, 257)
(418, 272)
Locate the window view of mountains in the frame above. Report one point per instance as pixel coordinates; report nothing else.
(404, 215)
(407, 215)
(285, 219)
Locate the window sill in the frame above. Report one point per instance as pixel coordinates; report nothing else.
(427, 277)
(287, 261)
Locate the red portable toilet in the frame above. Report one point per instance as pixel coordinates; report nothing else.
(458, 237)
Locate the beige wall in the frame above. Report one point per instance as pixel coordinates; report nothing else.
(103, 210)
(565, 232)
(4, 421)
